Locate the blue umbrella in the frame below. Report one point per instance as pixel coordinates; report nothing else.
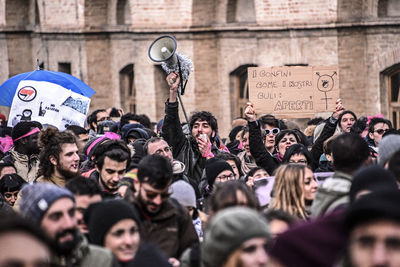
(8, 88)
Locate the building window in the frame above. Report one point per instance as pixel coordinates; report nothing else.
(17, 13)
(127, 88)
(123, 12)
(240, 11)
(64, 67)
(388, 8)
(394, 101)
(37, 16)
(239, 90)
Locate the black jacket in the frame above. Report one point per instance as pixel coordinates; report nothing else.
(317, 149)
(259, 152)
(184, 148)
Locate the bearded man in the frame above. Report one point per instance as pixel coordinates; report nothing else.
(59, 159)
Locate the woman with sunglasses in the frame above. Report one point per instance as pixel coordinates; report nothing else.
(283, 140)
(114, 224)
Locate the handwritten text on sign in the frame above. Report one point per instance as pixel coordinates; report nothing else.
(293, 92)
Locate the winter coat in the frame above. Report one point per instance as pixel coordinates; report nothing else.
(86, 255)
(257, 149)
(51, 180)
(105, 194)
(184, 148)
(171, 229)
(333, 193)
(317, 149)
(27, 166)
(147, 255)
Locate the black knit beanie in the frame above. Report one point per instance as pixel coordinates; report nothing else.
(234, 132)
(372, 178)
(215, 166)
(382, 205)
(102, 216)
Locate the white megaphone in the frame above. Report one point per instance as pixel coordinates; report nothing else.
(163, 49)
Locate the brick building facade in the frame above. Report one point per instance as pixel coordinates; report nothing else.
(105, 42)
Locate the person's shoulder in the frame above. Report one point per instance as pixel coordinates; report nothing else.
(150, 255)
(97, 256)
(336, 184)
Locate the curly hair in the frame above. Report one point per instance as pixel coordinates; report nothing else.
(50, 142)
(204, 116)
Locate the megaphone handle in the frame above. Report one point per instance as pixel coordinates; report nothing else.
(180, 77)
(183, 108)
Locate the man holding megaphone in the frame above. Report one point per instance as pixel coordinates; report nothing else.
(194, 149)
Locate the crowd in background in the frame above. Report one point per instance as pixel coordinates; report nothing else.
(125, 191)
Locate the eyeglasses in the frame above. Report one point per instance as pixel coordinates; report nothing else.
(166, 150)
(152, 195)
(225, 177)
(274, 131)
(381, 131)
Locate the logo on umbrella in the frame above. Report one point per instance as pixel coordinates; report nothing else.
(27, 93)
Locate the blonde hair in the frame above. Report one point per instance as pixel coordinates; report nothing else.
(288, 190)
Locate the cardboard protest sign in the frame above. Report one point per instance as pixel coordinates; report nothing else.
(293, 92)
(48, 103)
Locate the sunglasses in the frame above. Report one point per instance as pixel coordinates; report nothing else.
(381, 131)
(274, 131)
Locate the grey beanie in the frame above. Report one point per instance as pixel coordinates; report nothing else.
(37, 198)
(184, 193)
(228, 230)
(387, 147)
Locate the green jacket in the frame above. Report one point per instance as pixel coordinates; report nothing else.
(331, 194)
(86, 255)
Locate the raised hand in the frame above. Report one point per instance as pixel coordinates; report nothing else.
(338, 109)
(173, 83)
(249, 112)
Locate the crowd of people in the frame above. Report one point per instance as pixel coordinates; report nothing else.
(128, 192)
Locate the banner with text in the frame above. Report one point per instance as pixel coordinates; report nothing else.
(49, 104)
(293, 92)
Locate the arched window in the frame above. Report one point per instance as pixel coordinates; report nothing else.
(127, 88)
(123, 12)
(162, 90)
(37, 16)
(239, 90)
(17, 13)
(240, 11)
(388, 8)
(394, 100)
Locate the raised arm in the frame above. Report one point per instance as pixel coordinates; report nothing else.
(257, 148)
(172, 131)
(327, 131)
